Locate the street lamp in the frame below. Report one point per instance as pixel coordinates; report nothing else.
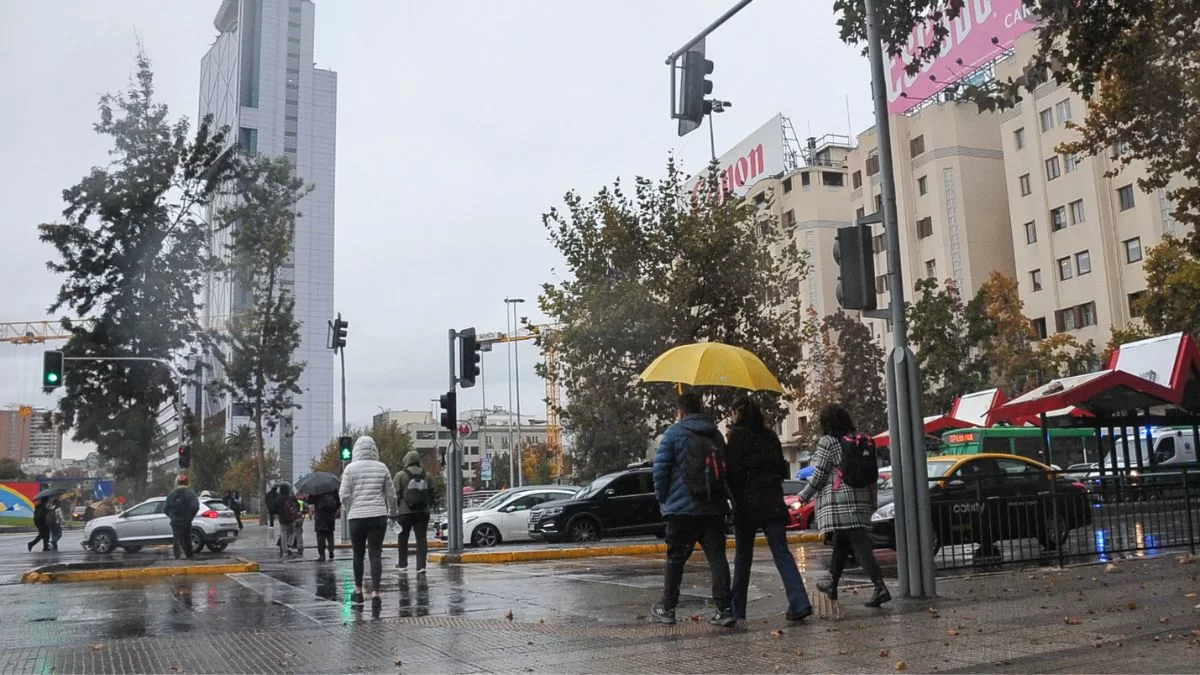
(717, 107)
(514, 449)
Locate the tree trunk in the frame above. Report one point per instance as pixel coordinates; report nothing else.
(261, 464)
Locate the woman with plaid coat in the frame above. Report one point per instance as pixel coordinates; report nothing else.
(843, 512)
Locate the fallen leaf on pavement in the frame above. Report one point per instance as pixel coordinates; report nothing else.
(97, 647)
(1071, 621)
(883, 654)
(1132, 605)
(398, 662)
(509, 616)
(541, 621)
(843, 652)
(1110, 568)
(1163, 619)
(694, 617)
(777, 633)
(952, 632)
(176, 669)
(641, 617)
(1190, 595)
(799, 652)
(900, 665)
(933, 610)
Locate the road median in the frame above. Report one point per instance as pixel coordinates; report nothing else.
(489, 556)
(112, 571)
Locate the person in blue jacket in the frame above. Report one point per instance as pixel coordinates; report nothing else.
(692, 514)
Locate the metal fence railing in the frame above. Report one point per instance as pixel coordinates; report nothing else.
(998, 520)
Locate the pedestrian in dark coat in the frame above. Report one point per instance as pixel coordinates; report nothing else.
(843, 512)
(756, 471)
(41, 520)
(181, 507)
(324, 508)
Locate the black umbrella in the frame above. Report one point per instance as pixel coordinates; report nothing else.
(50, 493)
(316, 483)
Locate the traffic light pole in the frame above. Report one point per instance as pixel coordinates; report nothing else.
(914, 538)
(454, 522)
(345, 430)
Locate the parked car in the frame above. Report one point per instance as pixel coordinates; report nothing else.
(505, 516)
(800, 516)
(145, 524)
(973, 498)
(621, 503)
(79, 513)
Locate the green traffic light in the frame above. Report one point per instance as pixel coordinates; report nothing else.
(345, 455)
(52, 377)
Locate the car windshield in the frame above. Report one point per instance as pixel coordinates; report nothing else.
(596, 486)
(937, 468)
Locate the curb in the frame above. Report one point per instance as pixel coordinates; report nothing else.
(67, 576)
(496, 557)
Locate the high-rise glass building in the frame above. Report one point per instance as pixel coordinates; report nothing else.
(258, 79)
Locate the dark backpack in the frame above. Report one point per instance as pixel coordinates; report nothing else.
(704, 470)
(416, 493)
(859, 467)
(327, 503)
(290, 512)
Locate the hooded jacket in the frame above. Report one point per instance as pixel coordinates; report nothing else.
(367, 490)
(412, 467)
(756, 471)
(670, 463)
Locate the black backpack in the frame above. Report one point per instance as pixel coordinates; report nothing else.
(859, 467)
(704, 470)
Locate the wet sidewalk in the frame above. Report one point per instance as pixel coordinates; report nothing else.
(1140, 615)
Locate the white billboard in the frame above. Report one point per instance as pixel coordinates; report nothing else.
(758, 156)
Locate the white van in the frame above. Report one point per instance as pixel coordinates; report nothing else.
(1165, 447)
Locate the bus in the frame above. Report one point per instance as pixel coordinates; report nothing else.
(1067, 446)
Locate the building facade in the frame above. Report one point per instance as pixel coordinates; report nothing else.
(1079, 237)
(259, 80)
(27, 437)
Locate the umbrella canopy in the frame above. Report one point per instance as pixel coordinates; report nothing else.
(50, 493)
(317, 483)
(806, 472)
(712, 364)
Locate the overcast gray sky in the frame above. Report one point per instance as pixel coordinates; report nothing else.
(455, 121)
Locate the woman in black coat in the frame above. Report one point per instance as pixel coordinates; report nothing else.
(756, 471)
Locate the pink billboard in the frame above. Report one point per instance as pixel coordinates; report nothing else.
(982, 30)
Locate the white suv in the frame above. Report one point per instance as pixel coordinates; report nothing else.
(145, 524)
(505, 517)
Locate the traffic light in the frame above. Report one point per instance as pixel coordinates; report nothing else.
(338, 329)
(856, 267)
(346, 448)
(695, 85)
(449, 401)
(52, 371)
(468, 357)
(185, 456)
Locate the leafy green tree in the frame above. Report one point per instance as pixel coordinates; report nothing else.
(946, 334)
(10, 469)
(392, 441)
(257, 349)
(651, 270)
(1133, 61)
(820, 382)
(860, 372)
(133, 251)
(539, 463)
(1172, 286)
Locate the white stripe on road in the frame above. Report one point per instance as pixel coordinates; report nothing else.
(281, 593)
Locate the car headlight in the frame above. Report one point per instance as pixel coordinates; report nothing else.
(1134, 473)
(552, 511)
(885, 512)
(796, 506)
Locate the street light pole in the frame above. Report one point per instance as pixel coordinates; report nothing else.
(517, 367)
(512, 470)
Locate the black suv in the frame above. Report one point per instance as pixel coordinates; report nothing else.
(615, 504)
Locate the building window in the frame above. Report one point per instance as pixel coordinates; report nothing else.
(1087, 315)
(1019, 138)
(1133, 250)
(860, 213)
(1076, 211)
(1070, 162)
(881, 283)
(789, 218)
(1035, 280)
(1135, 305)
(1083, 263)
(1046, 117)
(930, 269)
(1031, 232)
(248, 139)
(805, 179)
(1065, 271)
(1079, 316)
(877, 244)
(878, 203)
(787, 185)
(1063, 110)
(1039, 328)
(1064, 319)
(872, 165)
(760, 198)
(925, 227)
(856, 180)
(1125, 196)
(1058, 219)
(1052, 171)
(833, 179)
(923, 185)
(917, 145)
(1026, 188)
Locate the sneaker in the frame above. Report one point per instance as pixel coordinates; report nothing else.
(723, 618)
(356, 598)
(420, 570)
(801, 615)
(401, 566)
(660, 614)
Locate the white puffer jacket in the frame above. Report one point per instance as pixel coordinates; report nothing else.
(367, 490)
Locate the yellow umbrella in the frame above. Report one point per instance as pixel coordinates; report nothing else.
(712, 364)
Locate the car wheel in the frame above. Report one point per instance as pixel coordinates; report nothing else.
(132, 549)
(1055, 531)
(485, 536)
(583, 529)
(103, 541)
(218, 546)
(197, 541)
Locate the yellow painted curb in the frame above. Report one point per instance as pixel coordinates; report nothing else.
(531, 555)
(241, 566)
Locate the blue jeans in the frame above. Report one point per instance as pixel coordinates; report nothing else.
(743, 558)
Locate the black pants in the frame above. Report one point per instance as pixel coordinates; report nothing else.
(43, 536)
(417, 523)
(682, 534)
(181, 538)
(854, 539)
(238, 515)
(325, 541)
(366, 537)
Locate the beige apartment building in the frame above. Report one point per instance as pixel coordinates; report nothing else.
(950, 199)
(26, 436)
(1079, 238)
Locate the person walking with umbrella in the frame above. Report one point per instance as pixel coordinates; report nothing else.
(324, 505)
(41, 520)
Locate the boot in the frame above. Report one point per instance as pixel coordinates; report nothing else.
(880, 596)
(829, 588)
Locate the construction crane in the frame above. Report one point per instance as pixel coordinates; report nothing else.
(36, 332)
(533, 332)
